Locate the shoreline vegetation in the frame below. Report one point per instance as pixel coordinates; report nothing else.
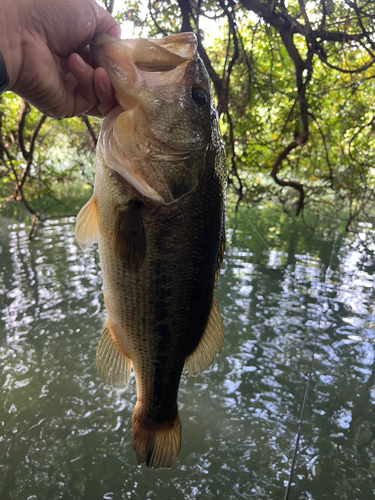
(321, 223)
(294, 88)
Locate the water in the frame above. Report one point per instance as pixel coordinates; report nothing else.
(63, 435)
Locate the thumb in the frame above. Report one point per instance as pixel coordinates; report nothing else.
(105, 23)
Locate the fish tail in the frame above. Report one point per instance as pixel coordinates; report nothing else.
(156, 444)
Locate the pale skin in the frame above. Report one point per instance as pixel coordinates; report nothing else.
(45, 47)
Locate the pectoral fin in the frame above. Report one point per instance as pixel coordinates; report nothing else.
(113, 365)
(129, 236)
(210, 344)
(87, 231)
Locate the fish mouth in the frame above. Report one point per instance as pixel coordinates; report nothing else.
(138, 70)
(144, 73)
(132, 64)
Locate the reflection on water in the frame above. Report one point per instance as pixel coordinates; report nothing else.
(64, 435)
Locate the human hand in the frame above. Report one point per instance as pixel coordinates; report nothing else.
(45, 47)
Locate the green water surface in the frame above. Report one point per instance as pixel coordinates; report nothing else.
(64, 435)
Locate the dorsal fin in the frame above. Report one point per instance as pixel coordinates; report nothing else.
(113, 365)
(210, 345)
(129, 236)
(220, 260)
(87, 231)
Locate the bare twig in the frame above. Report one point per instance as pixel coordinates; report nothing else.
(25, 109)
(30, 156)
(109, 5)
(87, 122)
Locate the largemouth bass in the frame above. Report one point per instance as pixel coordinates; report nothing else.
(157, 213)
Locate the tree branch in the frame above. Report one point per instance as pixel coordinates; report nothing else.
(295, 185)
(25, 109)
(87, 122)
(30, 155)
(186, 13)
(109, 5)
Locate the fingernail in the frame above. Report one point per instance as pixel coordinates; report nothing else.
(81, 63)
(115, 31)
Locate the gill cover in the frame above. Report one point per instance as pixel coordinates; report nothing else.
(157, 139)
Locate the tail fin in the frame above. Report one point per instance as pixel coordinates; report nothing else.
(157, 445)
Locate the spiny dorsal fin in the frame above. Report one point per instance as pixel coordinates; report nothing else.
(129, 236)
(87, 231)
(220, 260)
(113, 365)
(210, 344)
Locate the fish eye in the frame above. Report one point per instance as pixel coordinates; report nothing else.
(199, 96)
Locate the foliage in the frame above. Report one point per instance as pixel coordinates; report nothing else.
(294, 85)
(41, 157)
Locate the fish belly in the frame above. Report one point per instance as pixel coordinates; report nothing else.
(158, 313)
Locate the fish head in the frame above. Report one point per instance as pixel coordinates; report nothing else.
(162, 129)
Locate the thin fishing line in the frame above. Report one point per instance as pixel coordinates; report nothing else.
(307, 388)
(251, 224)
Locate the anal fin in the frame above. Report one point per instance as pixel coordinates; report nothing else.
(113, 365)
(87, 231)
(210, 345)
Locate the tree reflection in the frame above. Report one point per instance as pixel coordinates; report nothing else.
(63, 435)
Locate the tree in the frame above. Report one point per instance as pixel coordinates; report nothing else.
(294, 83)
(294, 86)
(43, 160)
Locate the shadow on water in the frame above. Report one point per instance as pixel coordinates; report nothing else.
(64, 435)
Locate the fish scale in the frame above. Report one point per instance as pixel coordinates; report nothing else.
(159, 223)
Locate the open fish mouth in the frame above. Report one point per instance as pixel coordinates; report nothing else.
(150, 139)
(132, 64)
